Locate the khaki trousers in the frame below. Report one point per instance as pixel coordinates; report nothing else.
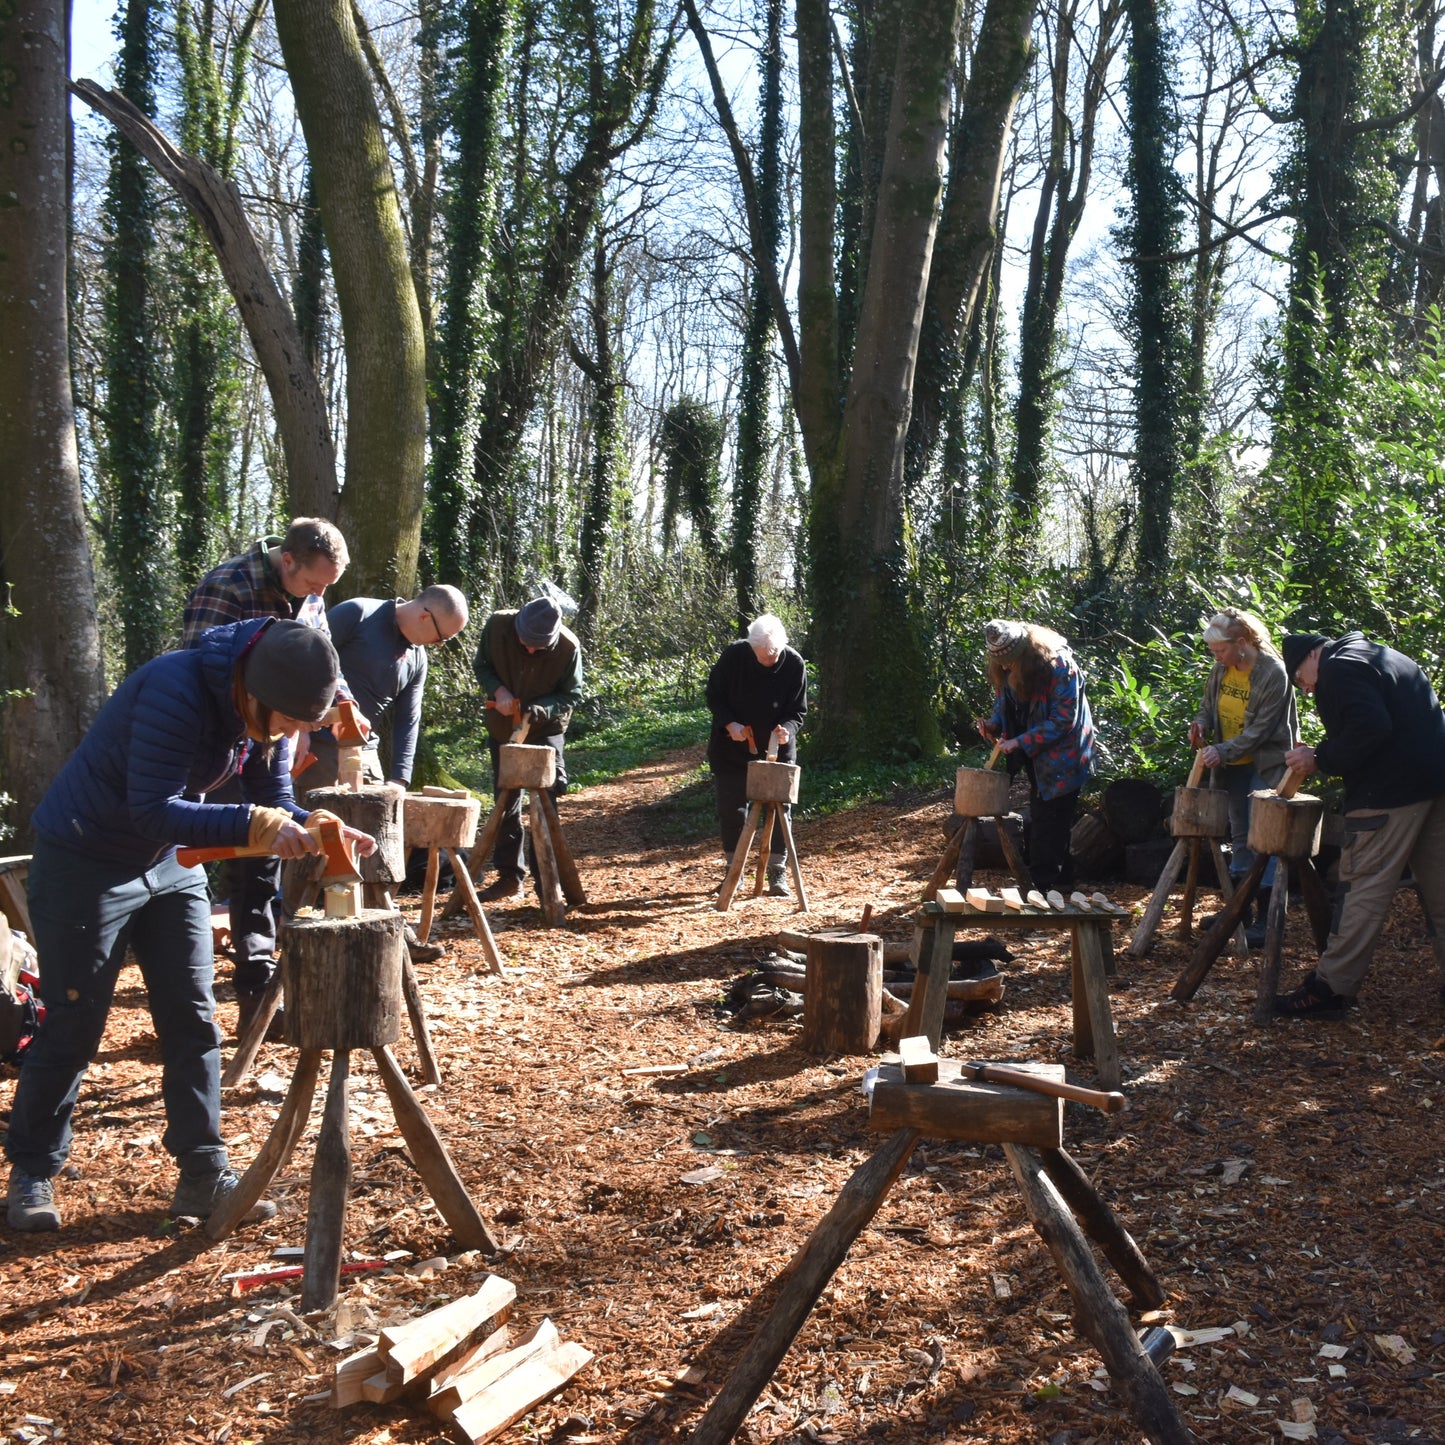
(1378, 845)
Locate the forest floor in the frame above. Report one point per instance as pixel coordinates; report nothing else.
(1286, 1183)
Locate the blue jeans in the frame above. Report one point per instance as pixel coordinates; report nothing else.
(86, 914)
(1240, 780)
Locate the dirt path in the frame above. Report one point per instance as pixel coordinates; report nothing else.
(1286, 1183)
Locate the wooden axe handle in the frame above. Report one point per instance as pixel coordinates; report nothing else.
(1289, 784)
(995, 755)
(1109, 1103)
(189, 857)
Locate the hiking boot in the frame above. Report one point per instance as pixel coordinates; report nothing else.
(1314, 998)
(30, 1203)
(422, 952)
(247, 1002)
(778, 883)
(198, 1196)
(506, 888)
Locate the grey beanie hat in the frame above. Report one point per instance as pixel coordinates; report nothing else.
(293, 669)
(1006, 640)
(539, 623)
(1298, 646)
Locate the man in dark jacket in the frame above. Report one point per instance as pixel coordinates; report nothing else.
(104, 878)
(529, 667)
(757, 693)
(1385, 736)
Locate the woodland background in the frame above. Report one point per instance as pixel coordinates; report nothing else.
(890, 316)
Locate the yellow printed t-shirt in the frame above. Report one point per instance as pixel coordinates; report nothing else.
(1233, 700)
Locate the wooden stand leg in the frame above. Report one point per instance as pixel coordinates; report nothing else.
(765, 846)
(1011, 840)
(1208, 949)
(1191, 887)
(802, 1282)
(330, 1184)
(429, 891)
(1239, 944)
(301, 882)
(572, 889)
(967, 857)
(1098, 1314)
(1103, 1228)
(1273, 944)
(481, 851)
(740, 858)
(1317, 900)
(482, 928)
(430, 1070)
(249, 1044)
(280, 1144)
(1096, 1027)
(549, 885)
(1144, 934)
(431, 1159)
(793, 864)
(944, 871)
(929, 1000)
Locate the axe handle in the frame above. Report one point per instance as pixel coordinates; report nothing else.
(1289, 784)
(189, 857)
(995, 755)
(1109, 1103)
(1196, 771)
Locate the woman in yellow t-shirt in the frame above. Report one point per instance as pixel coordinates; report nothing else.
(1245, 725)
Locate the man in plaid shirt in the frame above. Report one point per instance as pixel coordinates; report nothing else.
(275, 577)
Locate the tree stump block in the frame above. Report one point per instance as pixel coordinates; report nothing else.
(1285, 827)
(439, 822)
(980, 793)
(1200, 813)
(843, 994)
(773, 782)
(523, 765)
(375, 810)
(342, 979)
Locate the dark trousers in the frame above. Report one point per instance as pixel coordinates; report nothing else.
(1051, 820)
(508, 855)
(86, 914)
(732, 812)
(252, 886)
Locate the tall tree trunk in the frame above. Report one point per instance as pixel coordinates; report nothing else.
(138, 534)
(381, 502)
(51, 678)
(870, 658)
(606, 418)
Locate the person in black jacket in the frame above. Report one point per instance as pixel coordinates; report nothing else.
(757, 693)
(1385, 737)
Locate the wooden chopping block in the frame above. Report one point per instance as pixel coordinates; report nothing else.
(967, 1109)
(524, 765)
(980, 793)
(773, 782)
(1200, 813)
(431, 822)
(342, 979)
(1285, 827)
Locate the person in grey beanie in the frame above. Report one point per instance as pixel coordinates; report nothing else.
(529, 668)
(1385, 738)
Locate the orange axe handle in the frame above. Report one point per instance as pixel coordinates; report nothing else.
(326, 831)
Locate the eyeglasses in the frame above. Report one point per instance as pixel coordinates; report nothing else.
(434, 626)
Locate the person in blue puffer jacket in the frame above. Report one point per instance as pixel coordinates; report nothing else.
(1041, 720)
(104, 878)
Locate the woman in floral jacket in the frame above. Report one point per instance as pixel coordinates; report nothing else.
(1041, 720)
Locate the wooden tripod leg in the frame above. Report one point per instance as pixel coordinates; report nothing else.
(1011, 840)
(280, 1144)
(1273, 944)
(481, 850)
(929, 1000)
(765, 845)
(1317, 900)
(1103, 1228)
(483, 929)
(740, 858)
(1239, 944)
(1191, 887)
(430, 1070)
(1144, 935)
(1098, 1314)
(249, 1044)
(944, 871)
(330, 1184)
(804, 1280)
(429, 891)
(1091, 985)
(549, 885)
(572, 889)
(431, 1159)
(1208, 949)
(793, 864)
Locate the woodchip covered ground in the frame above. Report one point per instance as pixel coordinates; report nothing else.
(1285, 1182)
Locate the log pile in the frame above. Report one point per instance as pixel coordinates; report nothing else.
(461, 1363)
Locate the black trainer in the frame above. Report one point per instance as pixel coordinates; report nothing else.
(1314, 998)
(30, 1203)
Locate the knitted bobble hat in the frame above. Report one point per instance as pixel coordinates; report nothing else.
(1006, 640)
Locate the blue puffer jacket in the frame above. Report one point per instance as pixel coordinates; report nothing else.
(169, 733)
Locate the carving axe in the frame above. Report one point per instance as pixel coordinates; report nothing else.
(1109, 1103)
(330, 835)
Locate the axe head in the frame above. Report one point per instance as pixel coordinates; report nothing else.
(339, 853)
(347, 729)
